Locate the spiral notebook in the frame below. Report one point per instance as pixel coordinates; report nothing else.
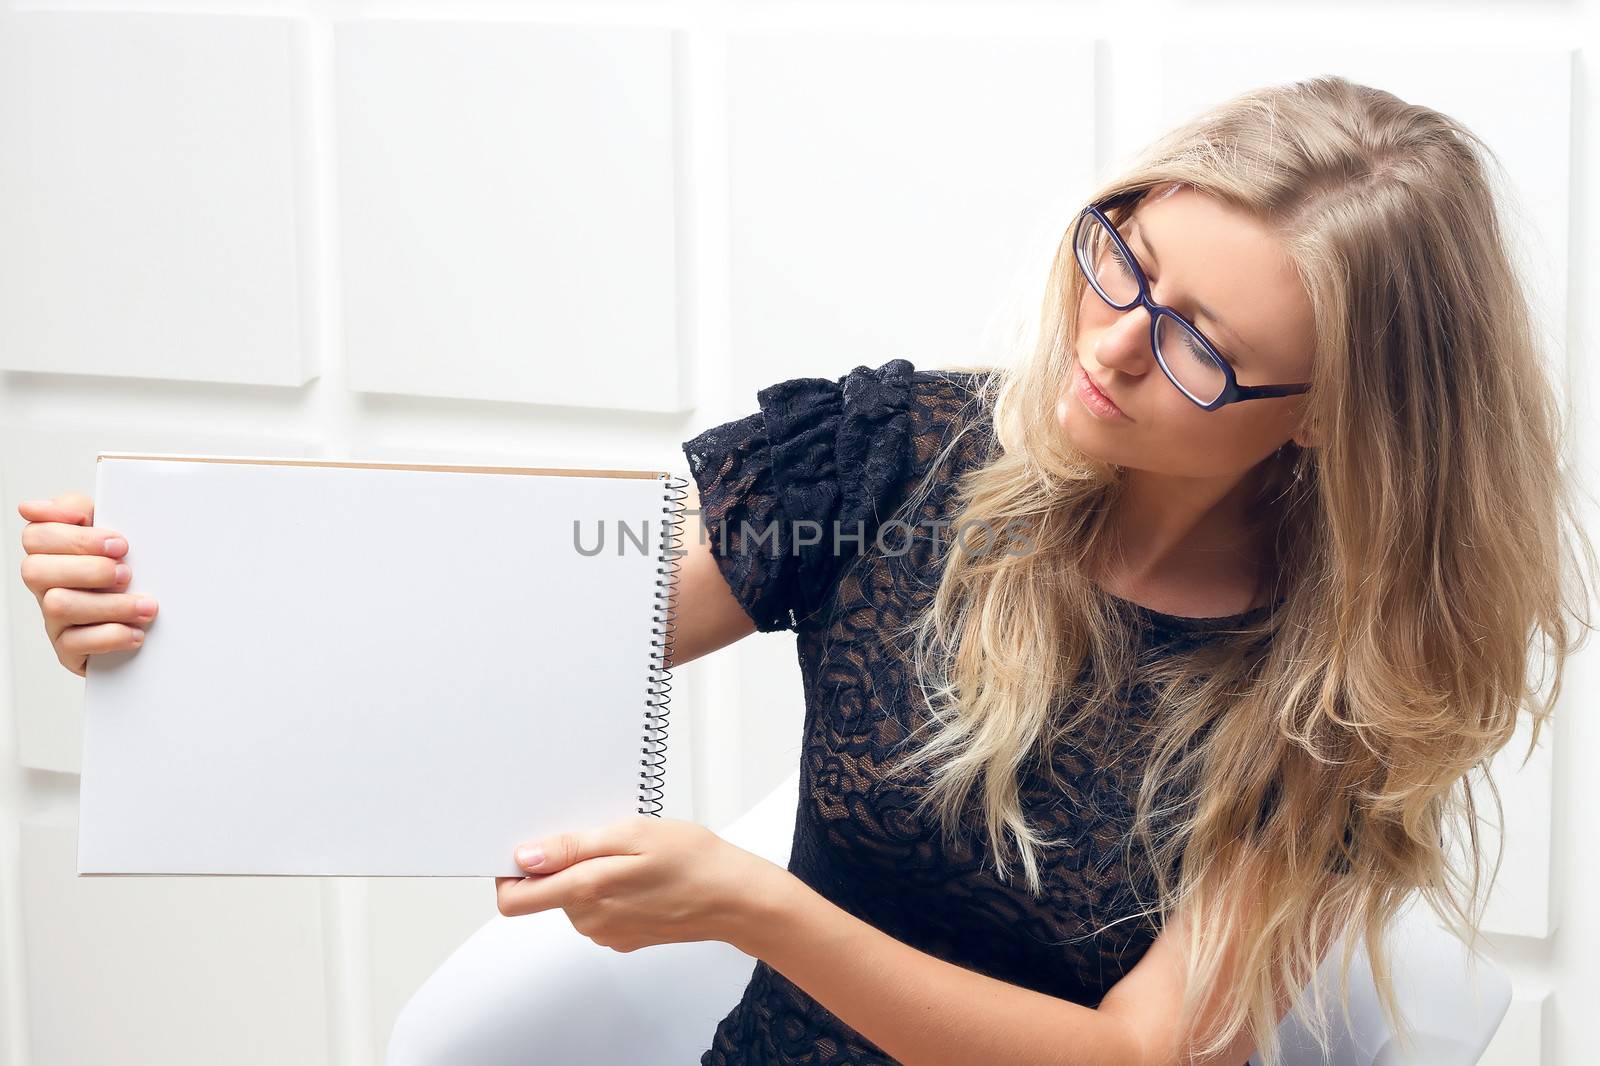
(371, 669)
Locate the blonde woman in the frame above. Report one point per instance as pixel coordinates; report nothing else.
(1137, 672)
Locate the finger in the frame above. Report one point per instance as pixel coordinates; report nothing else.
(41, 572)
(74, 508)
(579, 886)
(93, 640)
(62, 538)
(75, 607)
(529, 895)
(548, 854)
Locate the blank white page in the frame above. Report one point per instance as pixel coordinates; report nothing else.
(368, 669)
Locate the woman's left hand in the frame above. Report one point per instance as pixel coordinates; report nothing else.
(645, 880)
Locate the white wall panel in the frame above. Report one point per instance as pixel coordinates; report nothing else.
(507, 212)
(533, 440)
(1516, 110)
(1521, 902)
(154, 971)
(148, 224)
(1520, 1039)
(415, 923)
(887, 191)
(38, 463)
(772, 701)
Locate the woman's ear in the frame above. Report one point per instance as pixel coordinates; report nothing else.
(1308, 435)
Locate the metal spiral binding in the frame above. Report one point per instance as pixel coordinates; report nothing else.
(663, 633)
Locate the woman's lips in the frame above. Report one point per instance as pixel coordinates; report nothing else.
(1098, 403)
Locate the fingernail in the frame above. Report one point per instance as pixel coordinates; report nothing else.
(115, 546)
(122, 572)
(145, 607)
(530, 857)
(138, 636)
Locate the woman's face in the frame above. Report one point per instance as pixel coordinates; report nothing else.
(1196, 252)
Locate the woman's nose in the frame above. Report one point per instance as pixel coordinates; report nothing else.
(1125, 342)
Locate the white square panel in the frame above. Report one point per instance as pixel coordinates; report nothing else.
(1523, 112)
(897, 195)
(1521, 901)
(1520, 1039)
(415, 924)
(147, 197)
(508, 212)
(163, 971)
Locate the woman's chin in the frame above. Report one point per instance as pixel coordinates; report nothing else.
(1070, 416)
(1072, 423)
(1070, 412)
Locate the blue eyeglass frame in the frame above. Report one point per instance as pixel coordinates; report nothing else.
(1232, 391)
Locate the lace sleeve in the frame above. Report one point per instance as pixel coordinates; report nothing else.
(788, 494)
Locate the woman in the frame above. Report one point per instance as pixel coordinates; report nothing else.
(1138, 672)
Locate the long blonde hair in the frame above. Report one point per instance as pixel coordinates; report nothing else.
(1306, 768)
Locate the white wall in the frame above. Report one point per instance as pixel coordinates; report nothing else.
(579, 233)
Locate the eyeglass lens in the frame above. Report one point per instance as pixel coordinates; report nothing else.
(1181, 351)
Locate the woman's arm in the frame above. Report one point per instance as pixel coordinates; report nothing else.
(709, 617)
(926, 1011)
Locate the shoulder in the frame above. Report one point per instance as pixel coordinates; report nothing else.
(875, 428)
(857, 435)
(889, 388)
(820, 461)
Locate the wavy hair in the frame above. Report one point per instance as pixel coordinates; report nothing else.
(1305, 771)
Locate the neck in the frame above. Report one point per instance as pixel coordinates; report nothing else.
(1184, 532)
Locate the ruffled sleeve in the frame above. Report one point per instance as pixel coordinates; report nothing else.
(790, 493)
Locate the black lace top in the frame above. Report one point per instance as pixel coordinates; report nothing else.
(772, 486)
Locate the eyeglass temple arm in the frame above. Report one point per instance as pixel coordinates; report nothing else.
(1248, 392)
(1117, 200)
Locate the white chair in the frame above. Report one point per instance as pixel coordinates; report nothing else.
(531, 990)
(1452, 1000)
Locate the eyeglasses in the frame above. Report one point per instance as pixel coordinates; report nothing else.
(1190, 361)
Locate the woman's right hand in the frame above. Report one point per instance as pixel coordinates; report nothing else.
(75, 571)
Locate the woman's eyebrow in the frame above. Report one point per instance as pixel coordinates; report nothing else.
(1133, 229)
